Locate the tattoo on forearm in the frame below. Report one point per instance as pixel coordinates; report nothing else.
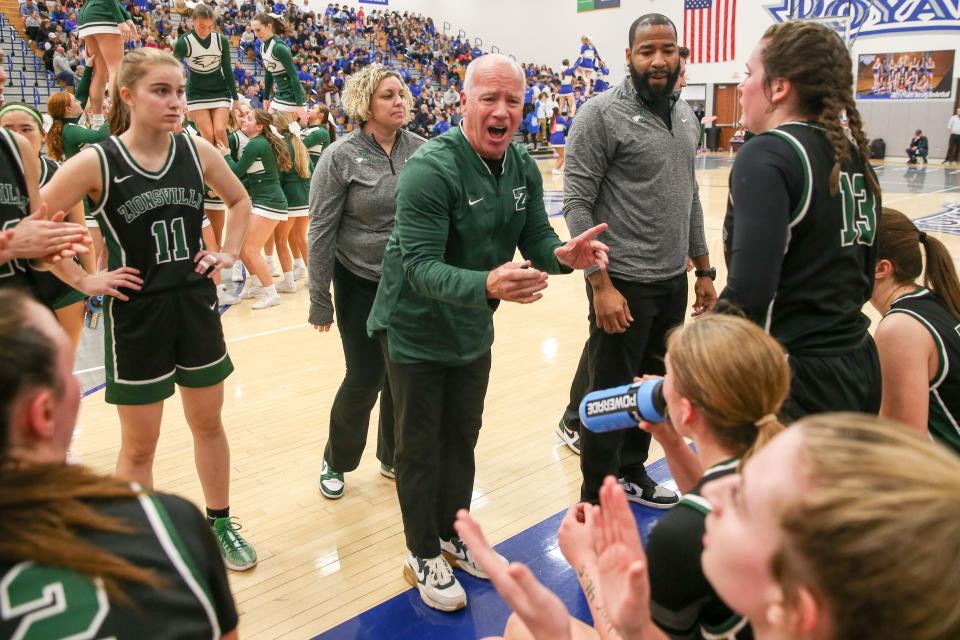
(590, 592)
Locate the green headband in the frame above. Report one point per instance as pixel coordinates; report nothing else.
(24, 108)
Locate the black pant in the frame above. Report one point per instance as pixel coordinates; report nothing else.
(365, 378)
(845, 382)
(439, 412)
(612, 359)
(953, 148)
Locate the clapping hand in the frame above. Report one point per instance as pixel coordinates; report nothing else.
(624, 581)
(541, 611)
(50, 241)
(583, 251)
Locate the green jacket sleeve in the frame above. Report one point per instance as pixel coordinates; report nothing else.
(422, 227)
(120, 14)
(83, 86)
(251, 153)
(180, 48)
(284, 56)
(538, 239)
(76, 136)
(226, 66)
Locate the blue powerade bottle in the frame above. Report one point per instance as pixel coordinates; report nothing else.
(624, 407)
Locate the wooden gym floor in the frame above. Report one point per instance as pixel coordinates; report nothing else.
(323, 562)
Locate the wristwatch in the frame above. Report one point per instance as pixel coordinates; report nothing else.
(706, 273)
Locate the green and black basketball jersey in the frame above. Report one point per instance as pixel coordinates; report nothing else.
(932, 313)
(14, 204)
(151, 220)
(682, 602)
(316, 139)
(827, 269)
(281, 75)
(171, 539)
(211, 83)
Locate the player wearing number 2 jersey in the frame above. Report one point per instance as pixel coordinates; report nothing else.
(83, 555)
(799, 233)
(146, 184)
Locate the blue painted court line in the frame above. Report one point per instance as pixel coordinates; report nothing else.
(406, 617)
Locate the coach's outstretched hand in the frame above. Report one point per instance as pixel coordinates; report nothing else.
(583, 251)
(516, 283)
(541, 611)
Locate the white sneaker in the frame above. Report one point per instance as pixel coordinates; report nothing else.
(252, 291)
(435, 581)
(236, 274)
(286, 287)
(456, 552)
(299, 272)
(268, 300)
(274, 267)
(225, 298)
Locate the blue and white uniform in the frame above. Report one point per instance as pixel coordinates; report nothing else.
(558, 131)
(588, 54)
(566, 79)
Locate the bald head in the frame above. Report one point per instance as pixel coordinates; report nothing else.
(492, 64)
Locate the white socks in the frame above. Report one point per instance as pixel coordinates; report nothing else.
(298, 262)
(270, 291)
(288, 278)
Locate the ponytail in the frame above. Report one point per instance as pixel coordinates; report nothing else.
(279, 147)
(736, 376)
(301, 157)
(57, 109)
(940, 276)
(899, 242)
(119, 118)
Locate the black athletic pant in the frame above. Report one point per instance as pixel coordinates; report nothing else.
(953, 148)
(365, 378)
(849, 381)
(439, 411)
(613, 359)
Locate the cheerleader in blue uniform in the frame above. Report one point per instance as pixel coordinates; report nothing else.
(558, 138)
(588, 57)
(567, 102)
(600, 84)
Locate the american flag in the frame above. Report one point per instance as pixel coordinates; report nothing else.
(710, 29)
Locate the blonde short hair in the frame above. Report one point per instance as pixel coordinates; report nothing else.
(361, 86)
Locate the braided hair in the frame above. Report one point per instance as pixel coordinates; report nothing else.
(818, 64)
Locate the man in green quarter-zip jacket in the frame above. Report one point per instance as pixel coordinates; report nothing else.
(466, 201)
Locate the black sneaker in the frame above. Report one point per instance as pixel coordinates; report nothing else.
(648, 493)
(570, 437)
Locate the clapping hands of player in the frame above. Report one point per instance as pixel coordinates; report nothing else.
(622, 564)
(583, 251)
(541, 611)
(49, 241)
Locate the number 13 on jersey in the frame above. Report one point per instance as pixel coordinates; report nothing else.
(859, 211)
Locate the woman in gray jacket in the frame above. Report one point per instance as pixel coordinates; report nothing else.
(352, 213)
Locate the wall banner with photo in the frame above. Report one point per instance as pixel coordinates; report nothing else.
(905, 75)
(593, 5)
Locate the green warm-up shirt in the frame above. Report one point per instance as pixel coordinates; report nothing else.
(456, 221)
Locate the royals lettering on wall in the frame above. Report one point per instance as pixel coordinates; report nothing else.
(876, 17)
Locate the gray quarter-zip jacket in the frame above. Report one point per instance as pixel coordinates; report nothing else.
(624, 167)
(352, 211)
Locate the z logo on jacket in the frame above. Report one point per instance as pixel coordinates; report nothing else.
(520, 195)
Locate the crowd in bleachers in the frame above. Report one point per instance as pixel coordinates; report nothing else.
(327, 47)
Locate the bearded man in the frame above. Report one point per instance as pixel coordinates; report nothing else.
(630, 164)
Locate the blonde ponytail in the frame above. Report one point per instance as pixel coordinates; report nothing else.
(301, 157)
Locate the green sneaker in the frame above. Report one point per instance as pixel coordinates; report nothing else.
(236, 551)
(387, 471)
(331, 482)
